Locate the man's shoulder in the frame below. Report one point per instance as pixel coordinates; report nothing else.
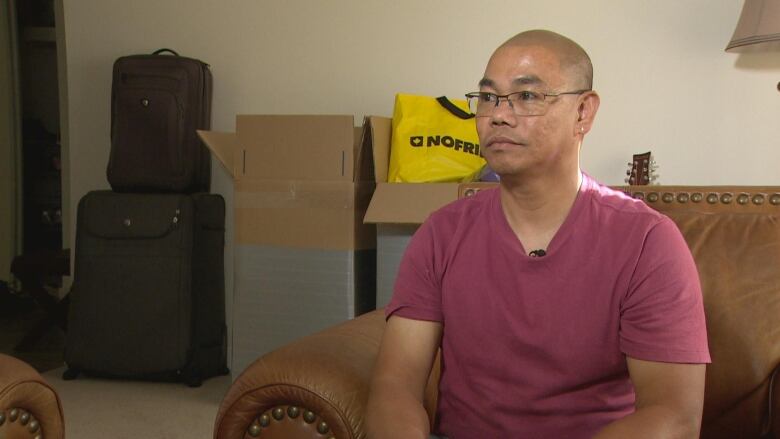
(621, 205)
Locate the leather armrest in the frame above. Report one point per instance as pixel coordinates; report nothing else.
(314, 387)
(28, 405)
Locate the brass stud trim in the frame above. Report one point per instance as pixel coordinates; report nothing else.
(743, 199)
(309, 416)
(33, 426)
(24, 418)
(264, 420)
(322, 427)
(712, 198)
(668, 197)
(682, 197)
(696, 197)
(254, 430)
(278, 413)
(2, 417)
(774, 199)
(639, 195)
(652, 197)
(726, 198)
(293, 412)
(758, 199)
(13, 415)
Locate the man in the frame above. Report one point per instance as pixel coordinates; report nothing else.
(563, 309)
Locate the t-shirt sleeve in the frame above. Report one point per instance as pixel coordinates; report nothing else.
(417, 290)
(662, 316)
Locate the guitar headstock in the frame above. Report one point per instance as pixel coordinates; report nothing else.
(641, 170)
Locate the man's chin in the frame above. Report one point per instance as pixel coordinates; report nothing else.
(503, 168)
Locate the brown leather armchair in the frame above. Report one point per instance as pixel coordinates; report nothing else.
(29, 407)
(317, 387)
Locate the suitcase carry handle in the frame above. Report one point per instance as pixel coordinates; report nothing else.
(163, 50)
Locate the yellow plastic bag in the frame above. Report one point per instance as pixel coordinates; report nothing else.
(433, 140)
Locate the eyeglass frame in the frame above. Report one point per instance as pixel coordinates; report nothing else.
(477, 94)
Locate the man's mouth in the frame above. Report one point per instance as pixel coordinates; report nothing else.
(502, 141)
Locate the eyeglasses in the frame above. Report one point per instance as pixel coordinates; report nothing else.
(524, 103)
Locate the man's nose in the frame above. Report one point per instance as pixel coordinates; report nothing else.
(503, 114)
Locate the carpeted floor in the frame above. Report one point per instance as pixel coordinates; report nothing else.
(97, 408)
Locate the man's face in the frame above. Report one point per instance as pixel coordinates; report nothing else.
(528, 145)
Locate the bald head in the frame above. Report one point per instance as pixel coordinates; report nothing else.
(574, 61)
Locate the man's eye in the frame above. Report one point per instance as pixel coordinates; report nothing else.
(487, 97)
(526, 96)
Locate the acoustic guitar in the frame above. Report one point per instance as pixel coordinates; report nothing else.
(642, 170)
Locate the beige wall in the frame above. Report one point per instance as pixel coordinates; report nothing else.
(665, 81)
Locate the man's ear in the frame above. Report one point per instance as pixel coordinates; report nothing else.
(586, 112)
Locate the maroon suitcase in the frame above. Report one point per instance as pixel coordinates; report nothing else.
(157, 103)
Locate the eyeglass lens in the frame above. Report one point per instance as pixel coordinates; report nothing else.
(525, 103)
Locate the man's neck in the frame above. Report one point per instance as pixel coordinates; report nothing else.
(536, 208)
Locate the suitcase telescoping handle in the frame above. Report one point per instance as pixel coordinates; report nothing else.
(163, 50)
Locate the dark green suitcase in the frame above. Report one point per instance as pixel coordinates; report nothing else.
(158, 101)
(148, 296)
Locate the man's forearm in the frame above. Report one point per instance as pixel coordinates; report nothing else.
(653, 422)
(394, 413)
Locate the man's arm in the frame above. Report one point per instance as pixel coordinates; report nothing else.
(395, 403)
(669, 401)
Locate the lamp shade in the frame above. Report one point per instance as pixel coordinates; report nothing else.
(758, 23)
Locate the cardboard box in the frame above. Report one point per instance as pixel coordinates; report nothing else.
(397, 209)
(303, 258)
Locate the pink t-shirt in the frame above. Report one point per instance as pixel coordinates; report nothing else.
(535, 347)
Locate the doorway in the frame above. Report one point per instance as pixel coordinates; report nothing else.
(41, 173)
(31, 192)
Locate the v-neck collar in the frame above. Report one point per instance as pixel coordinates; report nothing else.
(563, 232)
